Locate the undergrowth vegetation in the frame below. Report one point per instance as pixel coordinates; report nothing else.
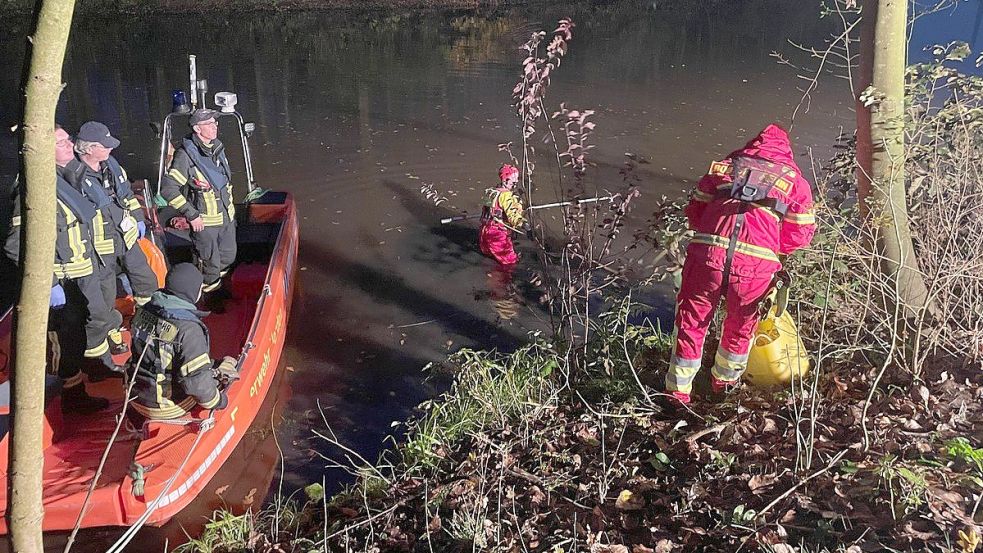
(562, 445)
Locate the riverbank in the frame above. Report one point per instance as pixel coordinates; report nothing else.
(510, 459)
(565, 445)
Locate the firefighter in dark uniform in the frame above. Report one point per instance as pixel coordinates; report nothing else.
(175, 373)
(120, 221)
(198, 185)
(80, 320)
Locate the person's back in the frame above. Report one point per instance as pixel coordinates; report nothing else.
(747, 212)
(171, 344)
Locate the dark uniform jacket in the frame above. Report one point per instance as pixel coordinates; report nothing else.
(74, 257)
(118, 211)
(176, 370)
(199, 182)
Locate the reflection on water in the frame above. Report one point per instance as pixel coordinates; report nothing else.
(355, 112)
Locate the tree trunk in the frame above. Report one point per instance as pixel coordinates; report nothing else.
(880, 146)
(43, 87)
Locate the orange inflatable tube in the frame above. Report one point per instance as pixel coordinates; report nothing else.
(155, 258)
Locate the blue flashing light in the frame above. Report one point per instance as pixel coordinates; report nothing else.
(180, 102)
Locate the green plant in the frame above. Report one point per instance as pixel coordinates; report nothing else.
(225, 532)
(906, 486)
(960, 448)
(741, 516)
(490, 389)
(963, 451)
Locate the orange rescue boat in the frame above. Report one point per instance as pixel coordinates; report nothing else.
(154, 472)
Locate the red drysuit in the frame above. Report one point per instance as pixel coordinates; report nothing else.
(495, 238)
(778, 222)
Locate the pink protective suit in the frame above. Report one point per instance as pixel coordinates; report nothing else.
(496, 241)
(755, 234)
(494, 237)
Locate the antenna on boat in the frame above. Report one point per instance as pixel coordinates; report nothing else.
(193, 69)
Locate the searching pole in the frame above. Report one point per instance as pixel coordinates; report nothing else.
(446, 220)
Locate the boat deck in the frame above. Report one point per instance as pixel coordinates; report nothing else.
(174, 460)
(79, 441)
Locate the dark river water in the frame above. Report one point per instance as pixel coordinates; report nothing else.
(356, 111)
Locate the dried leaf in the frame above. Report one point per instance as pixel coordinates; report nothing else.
(598, 548)
(757, 482)
(628, 501)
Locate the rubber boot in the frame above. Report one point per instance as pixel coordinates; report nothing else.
(76, 400)
(720, 389)
(214, 301)
(104, 368)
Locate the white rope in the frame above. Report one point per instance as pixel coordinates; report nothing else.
(131, 532)
(105, 454)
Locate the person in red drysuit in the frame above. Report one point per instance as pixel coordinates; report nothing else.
(502, 215)
(748, 212)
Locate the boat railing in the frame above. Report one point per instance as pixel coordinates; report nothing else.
(266, 293)
(166, 135)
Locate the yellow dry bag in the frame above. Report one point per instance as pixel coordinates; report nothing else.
(777, 352)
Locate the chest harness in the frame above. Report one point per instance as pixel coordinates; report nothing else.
(215, 167)
(752, 180)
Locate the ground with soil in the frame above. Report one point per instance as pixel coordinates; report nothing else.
(596, 469)
(725, 477)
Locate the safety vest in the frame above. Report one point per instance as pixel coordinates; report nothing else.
(121, 186)
(755, 183)
(492, 210)
(752, 181)
(214, 172)
(112, 211)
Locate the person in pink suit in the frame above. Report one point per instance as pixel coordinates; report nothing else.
(500, 216)
(750, 211)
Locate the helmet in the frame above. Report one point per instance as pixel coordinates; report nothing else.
(507, 171)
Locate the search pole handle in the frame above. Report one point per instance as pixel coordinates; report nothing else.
(456, 218)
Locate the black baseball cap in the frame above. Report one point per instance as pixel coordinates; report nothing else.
(94, 131)
(203, 114)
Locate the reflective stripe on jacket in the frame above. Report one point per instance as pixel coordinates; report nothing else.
(176, 371)
(73, 249)
(764, 234)
(114, 227)
(187, 188)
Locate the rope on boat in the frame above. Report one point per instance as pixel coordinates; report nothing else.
(204, 425)
(105, 454)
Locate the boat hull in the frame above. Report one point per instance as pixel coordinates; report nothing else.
(172, 463)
